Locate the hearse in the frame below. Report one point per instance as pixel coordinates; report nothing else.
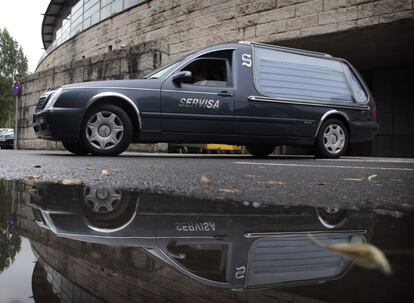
(244, 93)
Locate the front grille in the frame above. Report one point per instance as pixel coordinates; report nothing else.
(41, 104)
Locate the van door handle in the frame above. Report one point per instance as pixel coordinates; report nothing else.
(225, 93)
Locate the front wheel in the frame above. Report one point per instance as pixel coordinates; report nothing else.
(260, 150)
(75, 147)
(332, 140)
(106, 131)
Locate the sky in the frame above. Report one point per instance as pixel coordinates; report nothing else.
(23, 19)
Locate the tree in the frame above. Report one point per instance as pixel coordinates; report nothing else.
(10, 244)
(13, 65)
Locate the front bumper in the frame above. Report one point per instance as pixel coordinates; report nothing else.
(363, 131)
(58, 123)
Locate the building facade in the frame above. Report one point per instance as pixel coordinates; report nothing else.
(121, 39)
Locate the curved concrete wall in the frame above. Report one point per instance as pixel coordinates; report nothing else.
(173, 28)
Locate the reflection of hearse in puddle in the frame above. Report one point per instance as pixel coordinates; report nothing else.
(221, 244)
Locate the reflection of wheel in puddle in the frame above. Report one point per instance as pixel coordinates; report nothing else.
(102, 200)
(331, 217)
(108, 209)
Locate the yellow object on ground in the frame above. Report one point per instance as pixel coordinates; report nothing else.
(222, 147)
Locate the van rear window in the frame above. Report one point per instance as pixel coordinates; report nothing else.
(293, 76)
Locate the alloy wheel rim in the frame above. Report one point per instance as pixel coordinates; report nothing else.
(334, 138)
(104, 130)
(102, 200)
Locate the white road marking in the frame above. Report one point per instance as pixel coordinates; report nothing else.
(326, 166)
(378, 160)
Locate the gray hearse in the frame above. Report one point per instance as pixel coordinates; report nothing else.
(244, 93)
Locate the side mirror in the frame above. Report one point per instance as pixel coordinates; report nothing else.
(182, 76)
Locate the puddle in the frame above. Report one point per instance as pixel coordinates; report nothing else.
(84, 244)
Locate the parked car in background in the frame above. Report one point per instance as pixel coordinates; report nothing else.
(6, 138)
(251, 94)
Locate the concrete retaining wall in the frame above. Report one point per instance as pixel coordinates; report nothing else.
(135, 41)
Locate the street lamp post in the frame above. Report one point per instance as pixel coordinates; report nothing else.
(17, 91)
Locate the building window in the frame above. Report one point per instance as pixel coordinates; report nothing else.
(86, 13)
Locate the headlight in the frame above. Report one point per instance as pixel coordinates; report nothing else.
(53, 99)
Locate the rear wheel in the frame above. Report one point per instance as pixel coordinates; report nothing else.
(106, 131)
(75, 147)
(260, 150)
(332, 140)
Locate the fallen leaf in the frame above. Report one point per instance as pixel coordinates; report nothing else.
(354, 179)
(362, 254)
(71, 182)
(321, 183)
(37, 166)
(273, 183)
(32, 178)
(250, 176)
(89, 167)
(104, 173)
(229, 190)
(256, 204)
(370, 178)
(204, 180)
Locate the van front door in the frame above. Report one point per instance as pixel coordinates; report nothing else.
(202, 103)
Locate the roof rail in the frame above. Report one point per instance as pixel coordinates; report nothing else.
(289, 49)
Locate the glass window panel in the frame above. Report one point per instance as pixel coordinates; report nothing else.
(76, 14)
(106, 2)
(89, 4)
(86, 23)
(77, 6)
(76, 29)
(294, 76)
(91, 10)
(359, 92)
(95, 18)
(129, 3)
(76, 22)
(105, 12)
(65, 24)
(116, 6)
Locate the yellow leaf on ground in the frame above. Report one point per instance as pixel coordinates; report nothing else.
(273, 183)
(71, 182)
(32, 178)
(354, 179)
(229, 190)
(370, 178)
(104, 173)
(362, 254)
(205, 181)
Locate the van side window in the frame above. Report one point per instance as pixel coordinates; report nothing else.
(208, 72)
(294, 76)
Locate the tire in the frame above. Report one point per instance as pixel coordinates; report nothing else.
(75, 147)
(260, 150)
(332, 139)
(106, 130)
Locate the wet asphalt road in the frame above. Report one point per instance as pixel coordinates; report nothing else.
(384, 183)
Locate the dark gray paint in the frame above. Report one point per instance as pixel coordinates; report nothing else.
(241, 119)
